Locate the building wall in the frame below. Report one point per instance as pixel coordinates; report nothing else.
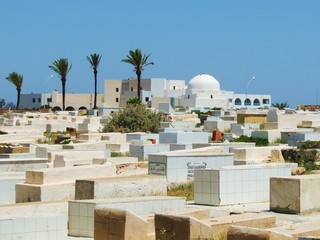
(31, 100)
(256, 101)
(251, 118)
(54, 99)
(113, 90)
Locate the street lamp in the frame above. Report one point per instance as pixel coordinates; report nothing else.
(245, 101)
(44, 94)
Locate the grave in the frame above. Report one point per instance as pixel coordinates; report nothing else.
(121, 186)
(142, 150)
(141, 136)
(236, 184)
(295, 138)
(295, 194)
(271, 135)
(189, 228)
(171, 135)
(80, 157)
(256, 155)
(227, 146)
(285, 232)
(178, 166)
(119, 224)
(34, 226)
(57, 184)
(7, 186)
(81, 212)
(21, 163)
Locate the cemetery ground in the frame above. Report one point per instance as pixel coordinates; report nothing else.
(62, 178)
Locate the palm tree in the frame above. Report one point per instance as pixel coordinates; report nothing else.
(16, 79)
(61, 66)
(139, 61)
(94, 60)
(280, 105)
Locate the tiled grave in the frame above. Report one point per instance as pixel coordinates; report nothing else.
(236, 184)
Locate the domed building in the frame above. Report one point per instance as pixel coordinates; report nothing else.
(204, 91)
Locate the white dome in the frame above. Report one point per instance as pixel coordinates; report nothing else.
(203, 82)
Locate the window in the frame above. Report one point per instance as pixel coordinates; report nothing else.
(117, 89)
(247, 102)
(117, 99)
(33, 100)
(237, 102)
(147, 99)
(49, 100)
(265, 101)
(39, 99)
(174, 87)
(256, 102)
(211, 96)
(131, 89)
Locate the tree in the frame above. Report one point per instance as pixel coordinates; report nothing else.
(280, 105)
(61, 67)
(2, 102)
(139, 61)
(134, 118)
(16, 79)
(94, 60)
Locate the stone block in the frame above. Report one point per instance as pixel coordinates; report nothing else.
(181, 228)
(69, 174)
(295, 194)
(141, 151)
(74, 158)
(119, 224)
(168, 137)
(245, 233)
(37, 193)
(126, 186)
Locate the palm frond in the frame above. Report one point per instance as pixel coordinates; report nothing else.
(16, 79)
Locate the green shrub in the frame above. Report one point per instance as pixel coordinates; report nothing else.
(305, 155)
(134, 118)
(258, 141)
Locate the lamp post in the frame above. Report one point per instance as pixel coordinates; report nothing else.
(44, 94)
(253, 78)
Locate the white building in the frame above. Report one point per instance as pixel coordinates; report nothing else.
(73, 101)
(202, 92)
(118, 92)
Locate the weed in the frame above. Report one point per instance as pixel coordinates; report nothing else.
(182, 190)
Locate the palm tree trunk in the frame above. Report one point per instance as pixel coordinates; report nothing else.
(63, 93)
(139, 86)
(18, 99)
(95, 89)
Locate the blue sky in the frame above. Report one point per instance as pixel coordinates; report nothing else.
(277, 41)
